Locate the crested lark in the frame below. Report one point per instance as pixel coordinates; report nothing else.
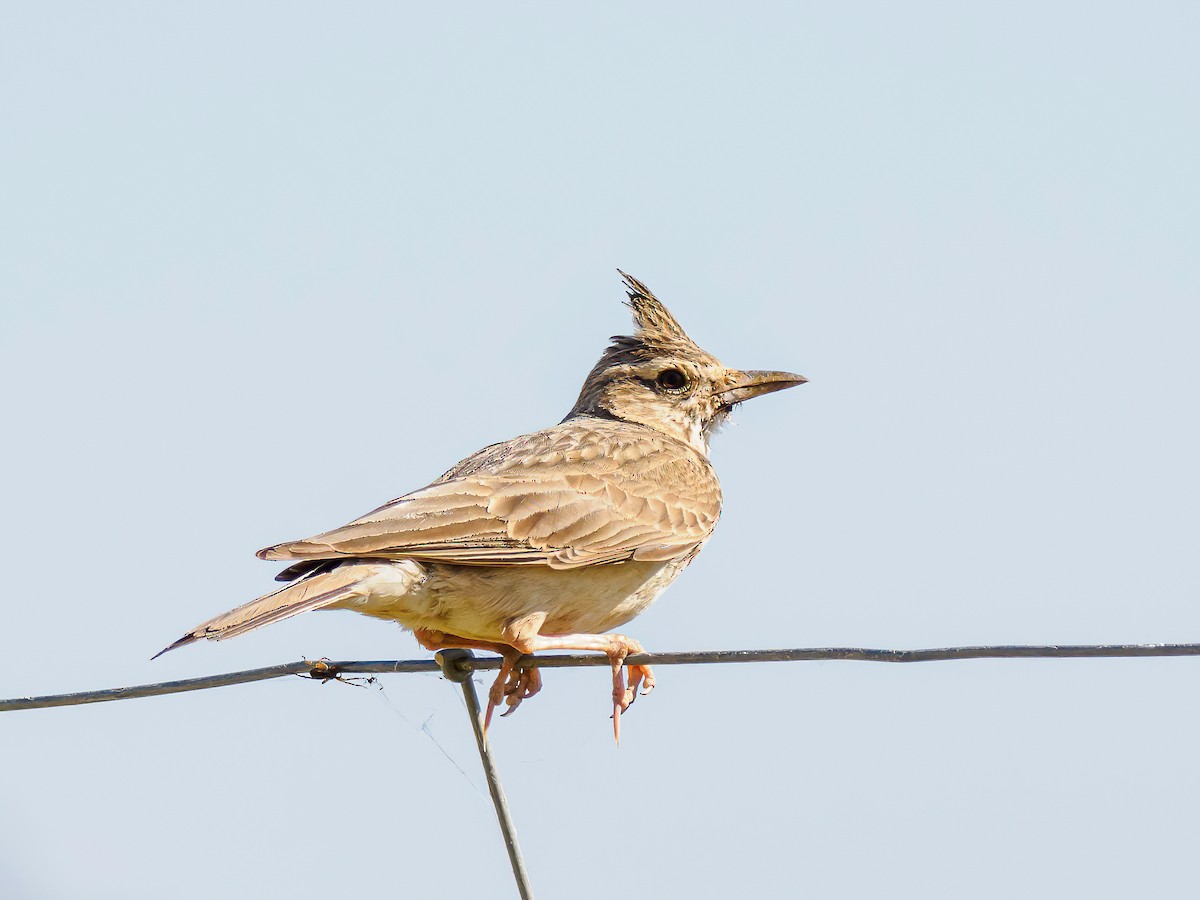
(546, 541)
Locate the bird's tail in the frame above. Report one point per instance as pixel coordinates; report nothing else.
(344, 582)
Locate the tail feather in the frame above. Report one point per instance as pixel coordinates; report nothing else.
(314, 592)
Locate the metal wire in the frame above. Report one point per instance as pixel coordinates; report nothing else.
(326, 669)
(458, 665)
(319, 670)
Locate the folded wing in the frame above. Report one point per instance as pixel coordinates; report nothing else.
(559, 497)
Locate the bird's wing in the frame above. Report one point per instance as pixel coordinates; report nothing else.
(574, 495)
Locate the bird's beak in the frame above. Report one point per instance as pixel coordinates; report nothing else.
(745, 385)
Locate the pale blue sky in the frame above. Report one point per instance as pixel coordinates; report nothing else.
(264, 266)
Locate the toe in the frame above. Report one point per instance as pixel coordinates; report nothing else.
(648, 681)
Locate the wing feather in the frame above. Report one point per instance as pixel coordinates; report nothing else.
(573, 495)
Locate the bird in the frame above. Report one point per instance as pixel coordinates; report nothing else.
(547, 541)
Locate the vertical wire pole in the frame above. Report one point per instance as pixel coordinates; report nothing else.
(451, 663)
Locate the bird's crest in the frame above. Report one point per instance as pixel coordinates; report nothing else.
(654, 321)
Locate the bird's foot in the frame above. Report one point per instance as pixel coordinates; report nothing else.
(624, 693)
(616, 647)
(513, 684)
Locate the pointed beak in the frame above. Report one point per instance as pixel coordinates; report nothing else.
(745, 385)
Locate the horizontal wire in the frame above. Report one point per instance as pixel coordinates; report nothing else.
(327, 669)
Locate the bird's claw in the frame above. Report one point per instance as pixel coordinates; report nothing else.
(624, 694)
(512, 685)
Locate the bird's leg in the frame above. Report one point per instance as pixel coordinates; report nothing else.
(512, 685)
(440, 640)
(616, 647)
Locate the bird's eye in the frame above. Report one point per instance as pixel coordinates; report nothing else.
(671, 379)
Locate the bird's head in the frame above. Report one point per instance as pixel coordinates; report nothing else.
(658, 377)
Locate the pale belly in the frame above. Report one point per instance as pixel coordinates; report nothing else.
(478, 601)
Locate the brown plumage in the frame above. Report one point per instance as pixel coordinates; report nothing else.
(547, 540)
